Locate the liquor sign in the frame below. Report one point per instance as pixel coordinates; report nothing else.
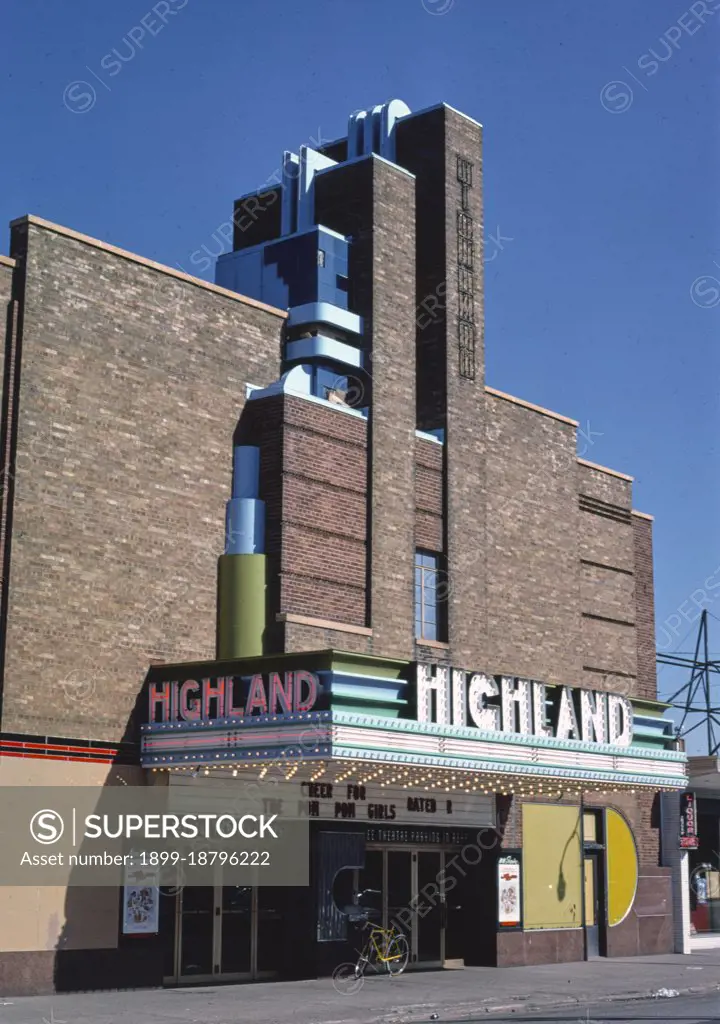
(508, 888)
(507, 704)
(689, 839)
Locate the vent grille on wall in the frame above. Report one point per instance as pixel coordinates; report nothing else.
(605, 508)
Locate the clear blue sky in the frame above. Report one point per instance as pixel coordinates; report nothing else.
(608, 193)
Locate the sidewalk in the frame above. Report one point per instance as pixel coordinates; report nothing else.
(700, 943)
(453, 995)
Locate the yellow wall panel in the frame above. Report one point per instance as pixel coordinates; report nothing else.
(552, 866)
(622, 863)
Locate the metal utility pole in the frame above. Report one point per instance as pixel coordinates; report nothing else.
(699, 688)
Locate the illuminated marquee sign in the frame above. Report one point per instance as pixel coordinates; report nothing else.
(233, 697)
(507, 704)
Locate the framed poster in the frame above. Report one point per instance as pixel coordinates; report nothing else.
(141, 901)
(508, 891)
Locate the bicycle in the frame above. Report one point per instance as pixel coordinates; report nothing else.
(388, 946)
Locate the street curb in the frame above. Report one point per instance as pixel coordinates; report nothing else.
(467, 1011)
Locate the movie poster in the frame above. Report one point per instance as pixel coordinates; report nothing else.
(509, 915)
(141, 901)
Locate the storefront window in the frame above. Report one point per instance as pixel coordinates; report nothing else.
(705, 870)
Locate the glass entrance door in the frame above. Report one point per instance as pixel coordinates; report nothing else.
(398, 892)
(197, 933)
(268, 944)
(456, 918)
(407, 882)
(592, 925)
(226, 933)
(430, 915)
(236, 930)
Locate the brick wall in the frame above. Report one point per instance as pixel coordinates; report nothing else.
(533, 581)
(429, 531)
(324, 522)
(600, 485)
(607, 557)
(607, 592)
(132, 382)
(6, 280)
(606, 541)
(9, 312)
(313, 479)
(644, 608)
(298, 636)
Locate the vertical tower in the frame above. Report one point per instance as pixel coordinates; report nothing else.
(336, 247)
(443, 149)
(373, 201)
(374, 245)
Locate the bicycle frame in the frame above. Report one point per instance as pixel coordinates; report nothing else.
(372, 944)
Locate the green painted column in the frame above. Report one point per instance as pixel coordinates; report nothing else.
(241, 606)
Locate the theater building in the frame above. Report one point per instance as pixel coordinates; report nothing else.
(280, 527)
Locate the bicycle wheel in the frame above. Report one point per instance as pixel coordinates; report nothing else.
(397, 954)
(347, 979)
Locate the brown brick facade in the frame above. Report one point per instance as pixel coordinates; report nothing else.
(9, 315)
(6, 282)
(644, 608)
(559, 554)
(532, 562)
(429, 533)
(131, 381)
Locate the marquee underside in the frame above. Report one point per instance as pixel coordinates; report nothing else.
(336, 743)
